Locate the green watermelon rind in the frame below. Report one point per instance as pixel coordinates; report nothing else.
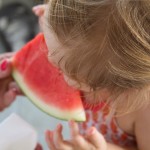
(78, 115)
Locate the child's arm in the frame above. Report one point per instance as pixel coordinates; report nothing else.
(93, 140)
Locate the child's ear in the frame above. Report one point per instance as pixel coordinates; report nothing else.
(39, 10)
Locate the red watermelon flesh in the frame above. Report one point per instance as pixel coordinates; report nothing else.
(43, 84)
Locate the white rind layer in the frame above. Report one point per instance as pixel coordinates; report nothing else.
(78, 115)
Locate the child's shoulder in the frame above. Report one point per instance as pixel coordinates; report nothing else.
(142, 126)
(134, 120)
(142, 115)
(137, 123)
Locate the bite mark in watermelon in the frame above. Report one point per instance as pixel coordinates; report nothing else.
(43, 84)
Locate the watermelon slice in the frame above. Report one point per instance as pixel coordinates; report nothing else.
(43, 83)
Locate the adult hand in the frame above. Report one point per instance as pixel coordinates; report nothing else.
(92, 140)
(8, 88)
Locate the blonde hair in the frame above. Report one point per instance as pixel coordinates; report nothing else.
(107, 41)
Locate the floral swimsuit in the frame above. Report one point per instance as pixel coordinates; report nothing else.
(105, 122)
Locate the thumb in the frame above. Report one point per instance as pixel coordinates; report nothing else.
(5, 68)
(96, 138)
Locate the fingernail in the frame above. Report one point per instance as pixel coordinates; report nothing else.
(91, 131)
(58, 126)
(71, 122)
(4, 65)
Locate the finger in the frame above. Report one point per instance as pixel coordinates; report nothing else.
(59, 142)
(80, 143)
(96, 139)
(38, 147)
(9, 97)
(77, 139)
(13, 85)
(58, 135)
(39, 10)
(49, 140)
(74, 129)
(5, 68)
(6, 55)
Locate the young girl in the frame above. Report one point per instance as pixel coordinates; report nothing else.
(102, 48)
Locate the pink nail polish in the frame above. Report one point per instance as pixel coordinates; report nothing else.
(58, 127)
(4, 65)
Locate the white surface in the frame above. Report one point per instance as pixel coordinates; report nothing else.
(17, 134)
